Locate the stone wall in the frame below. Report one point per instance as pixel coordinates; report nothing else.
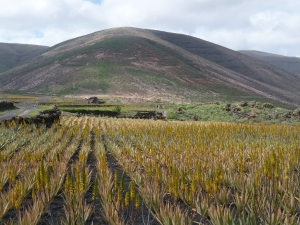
(47, 117)
(6, 105)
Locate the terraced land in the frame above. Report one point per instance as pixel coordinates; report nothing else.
(94, 170)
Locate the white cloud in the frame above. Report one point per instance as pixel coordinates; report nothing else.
(270, 25)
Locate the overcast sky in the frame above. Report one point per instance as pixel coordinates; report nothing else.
(269, 25)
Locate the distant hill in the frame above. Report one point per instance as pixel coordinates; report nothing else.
(290, 64)
(12, 55)
(151, 64)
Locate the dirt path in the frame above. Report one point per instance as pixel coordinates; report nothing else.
(23, 110)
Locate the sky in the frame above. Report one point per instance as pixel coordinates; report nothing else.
(271, 25)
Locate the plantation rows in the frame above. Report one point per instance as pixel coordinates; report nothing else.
(92, 170)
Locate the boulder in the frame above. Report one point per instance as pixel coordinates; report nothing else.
(251, 117)
(180, 110)
(268, 106)
(236, 109)
(95, 100)
(227, 107)
(244, 104)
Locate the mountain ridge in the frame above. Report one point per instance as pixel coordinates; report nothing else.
(287, 63)
(12, 54)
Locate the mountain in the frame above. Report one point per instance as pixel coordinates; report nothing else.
(12, 55)
(289, 64)
(151, 64)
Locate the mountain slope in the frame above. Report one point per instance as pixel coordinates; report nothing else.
(233, 61)
(12, 55)
(148, 63)
(289, 64)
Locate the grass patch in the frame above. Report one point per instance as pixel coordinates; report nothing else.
(216, 112)
(108, 110)
(12, 97)
(109, 113)
(41, 108)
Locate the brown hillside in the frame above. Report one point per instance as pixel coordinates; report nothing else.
(289, 64)
(138, 62)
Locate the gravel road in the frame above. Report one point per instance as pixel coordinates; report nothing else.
(23, 110)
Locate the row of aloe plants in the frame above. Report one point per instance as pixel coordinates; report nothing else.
(35, 173)
(152, 192)
(18, 170)
(212, 173)
(228, 173)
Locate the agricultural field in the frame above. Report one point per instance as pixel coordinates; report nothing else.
(96, 170)
(17, 98)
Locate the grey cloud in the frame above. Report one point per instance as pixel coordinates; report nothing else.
(270, 25)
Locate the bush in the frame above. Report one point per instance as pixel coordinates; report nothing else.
(118, 109)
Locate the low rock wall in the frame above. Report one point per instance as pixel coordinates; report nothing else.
(6, 105)
(47, 117)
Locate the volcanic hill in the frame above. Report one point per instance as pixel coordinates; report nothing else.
(150, 64)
